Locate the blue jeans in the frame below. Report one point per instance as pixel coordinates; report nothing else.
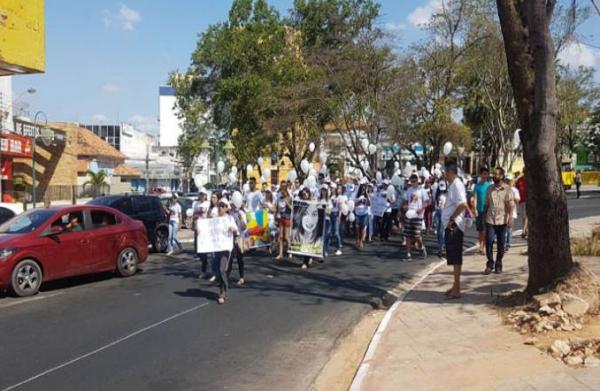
(508, 240)
(335, 229)
(173, 226)
(441, 233)
(326, 235)
(494, 233)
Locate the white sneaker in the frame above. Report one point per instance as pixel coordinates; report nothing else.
(170, 252)
(304, 266)
(212, 279)
(338, 252)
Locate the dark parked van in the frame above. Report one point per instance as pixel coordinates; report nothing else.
(147, 209)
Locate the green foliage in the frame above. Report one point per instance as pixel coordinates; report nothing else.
(97, 178)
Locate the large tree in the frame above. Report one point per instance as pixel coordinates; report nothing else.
(531, 65)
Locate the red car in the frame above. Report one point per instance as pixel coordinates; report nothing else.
(63, 241)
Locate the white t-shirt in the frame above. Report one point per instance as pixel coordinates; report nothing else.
(417, 198)
(175, 212)
(456, 195)
(516, 199)
(254, 200)
(200, 208)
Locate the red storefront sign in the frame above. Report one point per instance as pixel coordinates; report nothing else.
(13, 145)
(6, 166)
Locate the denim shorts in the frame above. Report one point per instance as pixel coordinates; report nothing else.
(480, 222)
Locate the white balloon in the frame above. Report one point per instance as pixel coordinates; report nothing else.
(248, 168)
(313, 172)
(292, 175)
(267, 174)
(411, 214)
(378, 176)
(311, 182)
(323, 157)
(237, 199)
(438, 165)
(220, 167)
(397, 181)
(232, 177)
(198, 180)
(447, 148)
(344, 208)
(437, 172)
(350, 206)
(365, 144)
(408, 165)
(305, 166)
(246, 187)
(372, 149)
(189, 212)
(516, 139)
(407, 171)
(391, 190)
(311, 147)
(260, 161)
(351, 217)
(396, 165)
(234, 170)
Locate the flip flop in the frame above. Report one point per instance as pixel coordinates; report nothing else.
(448, 292)
(452, 297)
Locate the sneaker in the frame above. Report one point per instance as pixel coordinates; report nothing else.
(241, 282)
(170, 253)
(424, 252)
(221, 300)
(212, 279)
(408, 257)
(487, 270)
(304, 266)
(338, 252)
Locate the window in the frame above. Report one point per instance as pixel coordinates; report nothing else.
(123, 205)
(70, 222)
(101, 219)
(26, 222)
(142, 204)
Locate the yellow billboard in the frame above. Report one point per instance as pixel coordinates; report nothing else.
(22, 37)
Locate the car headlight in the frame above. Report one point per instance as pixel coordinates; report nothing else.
(5, 253)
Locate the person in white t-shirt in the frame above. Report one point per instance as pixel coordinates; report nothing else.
(254, 197)
(416, 200)
(516, 199)
(200, 209)
(454, 223)
(175, 218)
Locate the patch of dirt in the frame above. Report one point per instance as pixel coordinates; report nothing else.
(563, 321)
(587, 245)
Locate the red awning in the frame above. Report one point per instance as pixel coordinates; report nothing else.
(13, 145)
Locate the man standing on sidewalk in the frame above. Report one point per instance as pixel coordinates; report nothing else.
(578, 182)
(480, 191)
(454, 224)
(498, 215)
(521, 185)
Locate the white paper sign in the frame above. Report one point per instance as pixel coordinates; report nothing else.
(379, 204)
(214, 235)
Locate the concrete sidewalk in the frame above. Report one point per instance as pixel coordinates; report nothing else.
(429, 343)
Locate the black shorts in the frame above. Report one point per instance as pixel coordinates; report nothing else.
(454, 246)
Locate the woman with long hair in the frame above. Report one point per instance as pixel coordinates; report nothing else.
(222, 258)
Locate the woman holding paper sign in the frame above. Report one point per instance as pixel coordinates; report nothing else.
(229, 230)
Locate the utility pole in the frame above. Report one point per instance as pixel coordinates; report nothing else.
(147, 168)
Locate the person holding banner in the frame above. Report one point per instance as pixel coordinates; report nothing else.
(227, 229)
(239, 217)
(284, 217)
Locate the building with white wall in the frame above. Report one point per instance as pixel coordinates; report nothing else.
(6, 104)
(170, 124)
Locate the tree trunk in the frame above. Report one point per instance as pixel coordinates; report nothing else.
(530, 58)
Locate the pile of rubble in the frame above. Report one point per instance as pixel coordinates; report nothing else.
(550, 311)
(577, 351)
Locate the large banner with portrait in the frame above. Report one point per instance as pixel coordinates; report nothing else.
(308, 229)
(258, 231)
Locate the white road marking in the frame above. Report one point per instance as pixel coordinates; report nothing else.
(107, 346)
(30, 299)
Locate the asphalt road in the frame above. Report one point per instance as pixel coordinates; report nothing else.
(162, 329)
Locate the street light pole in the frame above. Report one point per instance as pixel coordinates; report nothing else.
(33, 174)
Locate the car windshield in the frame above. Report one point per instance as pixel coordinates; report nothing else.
(26, 222)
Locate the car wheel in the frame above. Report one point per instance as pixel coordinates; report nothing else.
(160, 241)
(26, 278)
(127, 263)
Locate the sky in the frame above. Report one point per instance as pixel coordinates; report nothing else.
(106, 59)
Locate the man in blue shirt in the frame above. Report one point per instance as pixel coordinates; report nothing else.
(480, 191)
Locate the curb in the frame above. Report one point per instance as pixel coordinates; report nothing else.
(365, 364)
